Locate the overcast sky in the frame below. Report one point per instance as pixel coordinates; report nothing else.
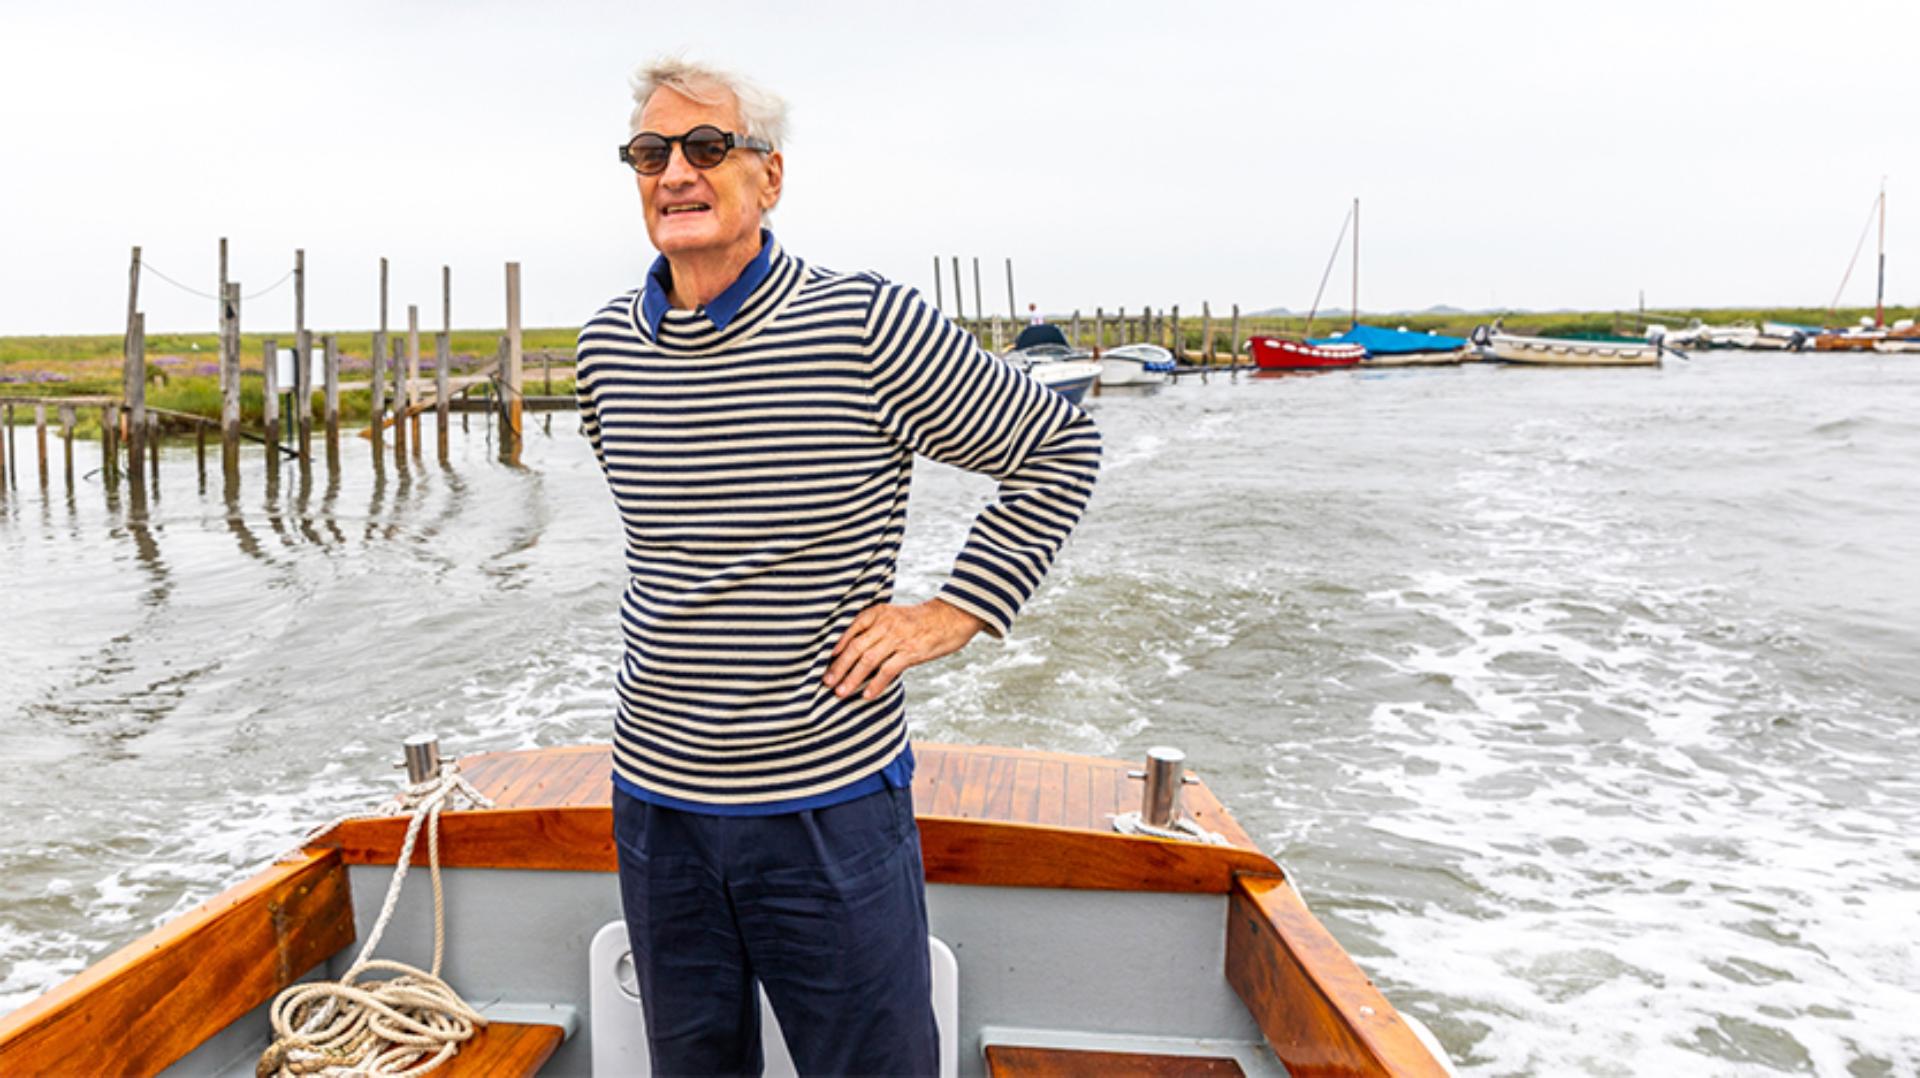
(1520, 155)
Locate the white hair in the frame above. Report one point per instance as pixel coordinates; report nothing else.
(762, 113)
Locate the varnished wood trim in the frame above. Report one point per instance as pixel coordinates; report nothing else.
(993, 852)
(963, 851)
(503, 1050)
(156, 999)
(1320, 1013)
(1025, 1061)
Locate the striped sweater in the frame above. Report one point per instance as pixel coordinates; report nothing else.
(761, 473)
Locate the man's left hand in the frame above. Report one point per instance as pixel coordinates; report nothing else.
(886, 639)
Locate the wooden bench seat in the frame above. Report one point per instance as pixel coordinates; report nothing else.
(1027, 1061)
(504, 1050)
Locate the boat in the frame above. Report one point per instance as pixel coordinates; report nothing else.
(1399, 347)
(1136, 365)
(1069, 377)
(1042, 351)
(1868, 335)
(1070, 935)
(1565, 352)
(1284, 354)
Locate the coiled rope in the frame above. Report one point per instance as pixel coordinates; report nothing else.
(405, 1025)
(1130, 823)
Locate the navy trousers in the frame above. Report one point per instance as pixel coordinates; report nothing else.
(826, 908)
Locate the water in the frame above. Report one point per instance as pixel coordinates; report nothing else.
(1580, 703)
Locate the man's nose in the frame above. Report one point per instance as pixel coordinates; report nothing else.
(679, 170)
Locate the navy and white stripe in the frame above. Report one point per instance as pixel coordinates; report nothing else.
(761, 472)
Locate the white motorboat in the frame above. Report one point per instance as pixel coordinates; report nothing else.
(1136, 365)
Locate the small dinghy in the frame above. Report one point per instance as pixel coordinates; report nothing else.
(1136, 365)
(1565, 352)
(1282, 354)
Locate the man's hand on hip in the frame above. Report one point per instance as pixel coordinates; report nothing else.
(886, 639)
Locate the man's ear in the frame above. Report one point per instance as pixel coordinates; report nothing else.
(776, 169)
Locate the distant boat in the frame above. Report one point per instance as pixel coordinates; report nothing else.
(1071, 378)
(1136, 365)
(1565, 352)
(1043, 352)
(1281, 354)
(1399, 347)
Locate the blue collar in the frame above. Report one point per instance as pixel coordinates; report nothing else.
(724, 307)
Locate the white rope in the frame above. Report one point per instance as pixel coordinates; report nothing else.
(405, 1025)
(1130, 823)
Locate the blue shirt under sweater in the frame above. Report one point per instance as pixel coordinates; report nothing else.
(759, 450)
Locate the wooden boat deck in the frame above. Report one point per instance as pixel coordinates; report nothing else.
(968, 782)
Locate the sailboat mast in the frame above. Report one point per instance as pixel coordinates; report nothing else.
(1880, 292)
(1356, 257)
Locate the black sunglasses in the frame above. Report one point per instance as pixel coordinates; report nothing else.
(704, 147)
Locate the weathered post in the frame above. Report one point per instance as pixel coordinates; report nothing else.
(1206, 334)
(6, 449)
(1179, 345)
(1013, 312)
(110, 448)
(979, 310)
(377, 409)
(959, 297)
(1233, 338)
(230, 388)
(40, 439)
(330, 375)
(136, 390)
(153, 448)
(270, 402)
(1099, 329)
(1075, 335)
(442, 382)
(939, 296)
(302, 363)
(514, 429)
(413, 371)
(1119, 327)
(67, 419)
(200, 451)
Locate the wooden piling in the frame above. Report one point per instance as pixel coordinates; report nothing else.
(413, 371)
(136, 389)
(153, 449)
(959, 296)
(510, 434)
(110, 448)
(230, 388)
(40, 439)
(67, 419)
(302, 417)
(330, 377)
(6, 449)
(1099, 329)
(979, 309)
(1206, 334)
(1179, 345)
(1233, 339)
(270, 401)
(939, 294)
(442, 407)
(1074, 336)
(1013, 312)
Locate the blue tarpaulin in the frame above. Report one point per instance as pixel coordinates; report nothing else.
(1393, 342)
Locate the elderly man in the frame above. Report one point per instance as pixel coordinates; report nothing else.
(757, 417)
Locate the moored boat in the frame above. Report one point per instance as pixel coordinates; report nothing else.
(1071, 378)
(1566, 352)
(1059, 942)
(1136, 365)
(1282, 354)
(1399, 347)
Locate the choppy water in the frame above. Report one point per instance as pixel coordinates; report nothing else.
(1581, 703)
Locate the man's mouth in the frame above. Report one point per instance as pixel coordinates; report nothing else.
(685, 207)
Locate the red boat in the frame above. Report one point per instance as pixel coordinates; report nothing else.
(1280, 354)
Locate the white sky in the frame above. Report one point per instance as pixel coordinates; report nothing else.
(1525, 155)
